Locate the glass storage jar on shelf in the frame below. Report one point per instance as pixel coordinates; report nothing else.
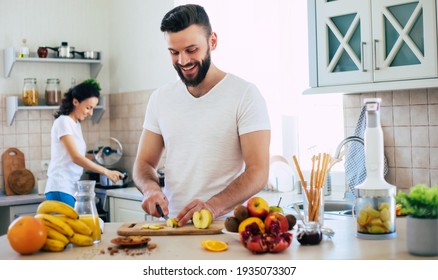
(53, 92)
(30, 94)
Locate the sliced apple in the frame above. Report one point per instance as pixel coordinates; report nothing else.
(202, 219)
(155, 227)
(145, 226)
(172, 223)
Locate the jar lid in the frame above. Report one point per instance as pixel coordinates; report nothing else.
(53, 80)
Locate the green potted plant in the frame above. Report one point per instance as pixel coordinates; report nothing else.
(421, 206)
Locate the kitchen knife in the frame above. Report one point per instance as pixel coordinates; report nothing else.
(161, 212)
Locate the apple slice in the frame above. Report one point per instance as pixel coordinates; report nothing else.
(171, 222)
(202, 219)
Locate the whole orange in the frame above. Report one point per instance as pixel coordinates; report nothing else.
(27, 235)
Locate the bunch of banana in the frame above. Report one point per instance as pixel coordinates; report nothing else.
(63, 226)
(57, 207)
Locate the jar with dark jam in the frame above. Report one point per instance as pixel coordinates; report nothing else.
(53, 92)
(309, 234)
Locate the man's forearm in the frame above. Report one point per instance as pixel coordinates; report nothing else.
(146, 179)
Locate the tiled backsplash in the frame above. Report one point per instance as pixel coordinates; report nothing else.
(126, 119)
(409, 121)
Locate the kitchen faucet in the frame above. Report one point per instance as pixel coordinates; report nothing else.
(346, 141)
(338, 158)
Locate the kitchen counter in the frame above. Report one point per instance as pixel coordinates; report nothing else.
(272, 197)
(10, 200)
(343, 246)
(126, 193)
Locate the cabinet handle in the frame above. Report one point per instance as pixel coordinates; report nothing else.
(362, 60)
(375, 54)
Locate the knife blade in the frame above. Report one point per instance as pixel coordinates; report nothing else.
(161, 212)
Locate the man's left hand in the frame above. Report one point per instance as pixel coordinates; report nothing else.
(186, 213)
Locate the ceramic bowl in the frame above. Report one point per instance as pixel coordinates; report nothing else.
(234, 235)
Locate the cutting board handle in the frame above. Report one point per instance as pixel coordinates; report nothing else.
(11, 152)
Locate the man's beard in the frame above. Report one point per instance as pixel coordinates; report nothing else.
(202, 71)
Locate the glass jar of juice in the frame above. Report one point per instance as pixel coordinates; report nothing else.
(86, 207)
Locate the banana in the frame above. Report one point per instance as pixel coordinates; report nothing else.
(54, 206)
(56, 223)
(78, 226)
(81, 240)
(53, 245)
(54, 234)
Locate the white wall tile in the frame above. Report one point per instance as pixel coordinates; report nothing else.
(401, 115)
(419, 115)
(420, 136)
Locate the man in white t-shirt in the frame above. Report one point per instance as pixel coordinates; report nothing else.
(212, 126)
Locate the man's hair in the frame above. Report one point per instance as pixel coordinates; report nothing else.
(183, 16)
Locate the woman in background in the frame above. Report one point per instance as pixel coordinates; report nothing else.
(68, 146)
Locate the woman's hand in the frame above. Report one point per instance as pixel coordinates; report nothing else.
(114, 175)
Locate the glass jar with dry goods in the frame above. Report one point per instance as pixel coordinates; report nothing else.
(53, 92)
(30, 95)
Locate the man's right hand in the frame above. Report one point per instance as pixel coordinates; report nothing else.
(150, 201)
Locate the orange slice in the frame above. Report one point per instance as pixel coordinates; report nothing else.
(214, 245)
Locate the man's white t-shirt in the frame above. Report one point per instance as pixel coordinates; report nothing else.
(201, 135)
(63, 173)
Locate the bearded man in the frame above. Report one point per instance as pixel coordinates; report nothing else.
(211, 126)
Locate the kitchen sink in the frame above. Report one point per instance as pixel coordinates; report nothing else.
(335, 207)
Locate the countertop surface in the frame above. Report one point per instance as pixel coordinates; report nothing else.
(344, 245)
(126, 193)
(272, 196)
(11, 200)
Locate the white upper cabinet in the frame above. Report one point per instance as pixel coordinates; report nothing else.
(371, 43)
(405, 39)
(344, 55)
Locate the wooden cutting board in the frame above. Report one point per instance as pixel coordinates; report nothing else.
(13, 159)
(21, 181)
(188, 229)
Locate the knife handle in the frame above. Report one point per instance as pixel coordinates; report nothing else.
(160, 210)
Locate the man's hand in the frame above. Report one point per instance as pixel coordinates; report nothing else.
(150, 201)
(186, 214)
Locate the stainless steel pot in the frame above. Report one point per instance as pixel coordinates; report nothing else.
(106, 182)
(64, 51)
(89, 54)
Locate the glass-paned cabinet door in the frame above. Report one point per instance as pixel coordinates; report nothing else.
(404, 38)
(343, 42)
